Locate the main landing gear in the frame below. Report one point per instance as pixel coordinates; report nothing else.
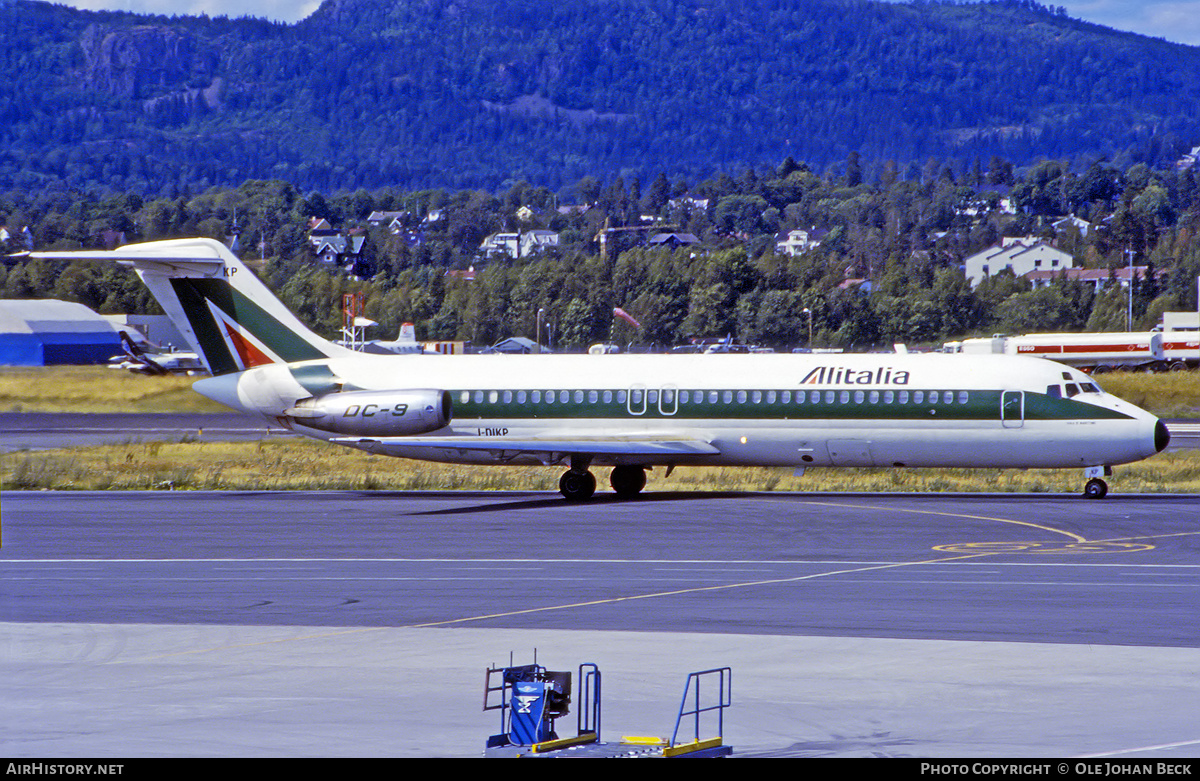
(628, 481)
(578, 484)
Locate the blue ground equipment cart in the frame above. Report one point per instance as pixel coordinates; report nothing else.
(531, 699)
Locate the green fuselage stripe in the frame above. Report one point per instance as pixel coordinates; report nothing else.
(842, 405)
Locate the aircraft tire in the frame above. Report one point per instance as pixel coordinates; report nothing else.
(628, 481)
(1095, 489)
(577, 486)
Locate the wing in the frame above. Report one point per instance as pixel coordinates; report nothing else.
(546, 450)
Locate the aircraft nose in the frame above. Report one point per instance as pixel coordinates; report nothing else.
(1162, 437)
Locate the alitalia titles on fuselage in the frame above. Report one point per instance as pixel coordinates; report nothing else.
(844, 375)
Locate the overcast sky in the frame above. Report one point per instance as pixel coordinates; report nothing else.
(1175, 20)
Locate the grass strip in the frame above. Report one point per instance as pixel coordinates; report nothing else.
(294, 464)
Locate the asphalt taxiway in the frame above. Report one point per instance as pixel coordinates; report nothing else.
(356, 624)
(41, 430)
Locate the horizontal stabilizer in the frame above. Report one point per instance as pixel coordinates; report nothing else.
(184, 257)
(218, 303)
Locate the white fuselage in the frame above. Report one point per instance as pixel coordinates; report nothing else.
(772, 410)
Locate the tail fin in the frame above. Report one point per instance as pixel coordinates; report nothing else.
(220, 306)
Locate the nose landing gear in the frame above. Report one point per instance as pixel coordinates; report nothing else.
(1096, 487)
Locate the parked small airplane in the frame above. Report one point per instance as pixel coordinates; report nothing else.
(632, 412)
(148, 358)
(405, 343)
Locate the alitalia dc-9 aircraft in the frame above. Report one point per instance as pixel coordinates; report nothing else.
(634, 412)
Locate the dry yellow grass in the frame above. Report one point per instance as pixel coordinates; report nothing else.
(96, 389)
(1169, 395)
(289, 464)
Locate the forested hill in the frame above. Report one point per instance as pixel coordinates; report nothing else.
(476, 93)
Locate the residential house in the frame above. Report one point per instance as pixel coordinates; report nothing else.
(501, 244)
(799, 241)
(528, 213)
(535, 241)
(1021, 255)
(393, 221)
(517, 245)
(319, 226)
(672, 240)
(1083, 226)
(22, 239)
(340, 251)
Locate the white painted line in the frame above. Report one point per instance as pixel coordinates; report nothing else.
(1159, 747)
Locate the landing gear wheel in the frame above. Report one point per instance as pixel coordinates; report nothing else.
(628, 481)
(577, 486)
(1095, 489)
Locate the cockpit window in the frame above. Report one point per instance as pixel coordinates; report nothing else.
(1054, 392)
(1072, 389)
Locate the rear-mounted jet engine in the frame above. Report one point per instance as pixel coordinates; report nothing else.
(374, 413)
